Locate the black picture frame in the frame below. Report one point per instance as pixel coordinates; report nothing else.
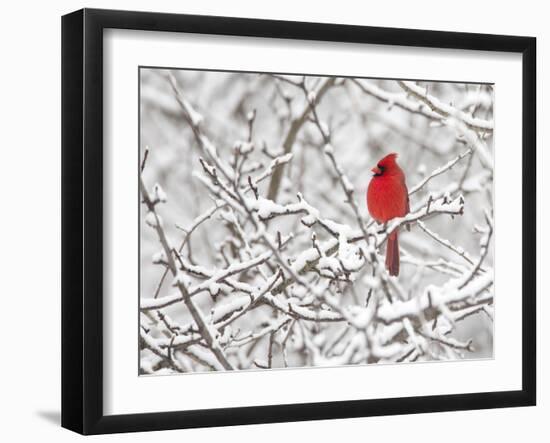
(82, 220)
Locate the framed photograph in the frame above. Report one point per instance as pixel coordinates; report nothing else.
(270, 221)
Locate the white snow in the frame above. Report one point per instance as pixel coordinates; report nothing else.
(153, 219)
(159, 257)
(158, 194)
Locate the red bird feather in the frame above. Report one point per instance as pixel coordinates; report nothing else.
(388, 198)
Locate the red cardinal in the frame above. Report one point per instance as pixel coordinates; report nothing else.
(387, 198)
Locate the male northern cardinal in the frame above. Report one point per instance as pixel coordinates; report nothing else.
(387, 198)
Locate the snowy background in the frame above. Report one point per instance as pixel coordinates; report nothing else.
(257, 250)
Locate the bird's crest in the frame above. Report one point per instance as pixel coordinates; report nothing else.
(388, 160)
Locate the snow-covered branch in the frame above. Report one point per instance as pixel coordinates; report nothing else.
(444, 109)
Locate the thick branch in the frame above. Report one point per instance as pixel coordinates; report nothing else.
(290, 138)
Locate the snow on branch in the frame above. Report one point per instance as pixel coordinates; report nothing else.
(444, 109)
(431, 107)
(437, 301)
(397, 99)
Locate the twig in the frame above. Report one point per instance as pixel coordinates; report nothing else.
(445, 243)
(145, 154)
(439, 171)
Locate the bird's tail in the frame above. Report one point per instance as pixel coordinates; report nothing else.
(392, 254)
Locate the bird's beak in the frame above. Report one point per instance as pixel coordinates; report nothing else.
(376, 170)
